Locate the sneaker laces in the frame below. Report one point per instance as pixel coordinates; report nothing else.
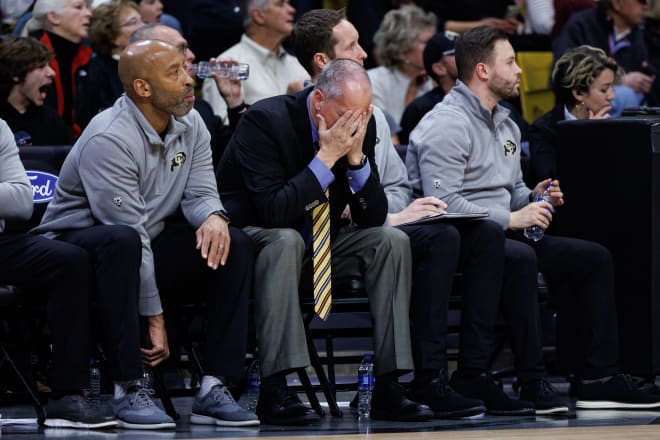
(628, 381)
(220, 393)
(545, 388)
(142, 398)
(493, 381)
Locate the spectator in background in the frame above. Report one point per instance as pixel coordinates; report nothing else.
(440, 64)
(652, 40)
(400, 42)
(539, 16)
(506, 15)
(583, 80)
(110, 27)
(467, 14)
(548, 17)
(11, 11)
(563, 11)
(25, 78)
(267, 23)
(152, 12)
(62, 25)
(613, 26)
(217, 26)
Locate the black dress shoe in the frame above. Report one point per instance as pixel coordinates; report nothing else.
(389, 402)
(278, 405)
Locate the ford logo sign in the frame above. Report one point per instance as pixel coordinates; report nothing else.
(43, 185)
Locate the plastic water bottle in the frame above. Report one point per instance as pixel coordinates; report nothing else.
(253, 384)
(147, 378)
(365, 386)
(535, 232)
(94, 391)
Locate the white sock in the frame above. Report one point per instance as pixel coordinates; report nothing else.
(208, 382)
(121, 387)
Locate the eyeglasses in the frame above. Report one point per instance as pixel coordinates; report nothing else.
(134, 21)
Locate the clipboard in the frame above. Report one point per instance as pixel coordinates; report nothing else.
(448, 216)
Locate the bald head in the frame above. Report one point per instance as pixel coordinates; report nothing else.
(142, 59)
(341, 77)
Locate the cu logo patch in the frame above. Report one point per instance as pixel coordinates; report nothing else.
(509, 147)
(178, 160)
(43, 185)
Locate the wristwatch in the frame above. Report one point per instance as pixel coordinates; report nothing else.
(358, 167)
(222, 213)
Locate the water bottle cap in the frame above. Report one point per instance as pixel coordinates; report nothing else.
(368, 355)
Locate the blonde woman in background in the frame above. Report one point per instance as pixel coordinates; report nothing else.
(399, 45)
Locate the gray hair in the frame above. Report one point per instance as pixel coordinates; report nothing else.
(398, 32)
(246, 8)
(145, 32)
(40, 12)
(337, 74)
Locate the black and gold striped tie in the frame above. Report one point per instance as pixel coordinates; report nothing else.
(322, 258)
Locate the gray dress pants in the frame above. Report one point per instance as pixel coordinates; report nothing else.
(380, 254)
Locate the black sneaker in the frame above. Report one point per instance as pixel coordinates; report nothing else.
(646, 386)
(483, 387)
(445, 402)
(544, 396)
(618, 392)
(389, 402)
(77, 412)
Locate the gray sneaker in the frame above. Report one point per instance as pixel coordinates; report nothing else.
(219, 408)
(77, 412)
(137, 410)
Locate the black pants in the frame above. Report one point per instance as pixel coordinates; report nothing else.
(115, 253)
(580, 278)
(475, 248)
(59, 273)
(183, 275)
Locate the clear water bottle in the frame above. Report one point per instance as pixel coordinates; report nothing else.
(535, 232)
(147, 377)
(253, 384)
(94, 391)
(365, 386)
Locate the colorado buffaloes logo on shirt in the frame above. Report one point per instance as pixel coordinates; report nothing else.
(177, 160)
(509, 147)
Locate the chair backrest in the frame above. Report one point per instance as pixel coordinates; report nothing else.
(42, 165)
(536, 95)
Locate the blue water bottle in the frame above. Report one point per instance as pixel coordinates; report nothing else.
(365, 386)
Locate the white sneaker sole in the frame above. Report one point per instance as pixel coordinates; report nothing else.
(609, 404)
(556, 410)
(65, 423)
(127, 425)
(198, 419)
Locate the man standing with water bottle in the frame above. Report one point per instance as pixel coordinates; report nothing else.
(466, 152)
